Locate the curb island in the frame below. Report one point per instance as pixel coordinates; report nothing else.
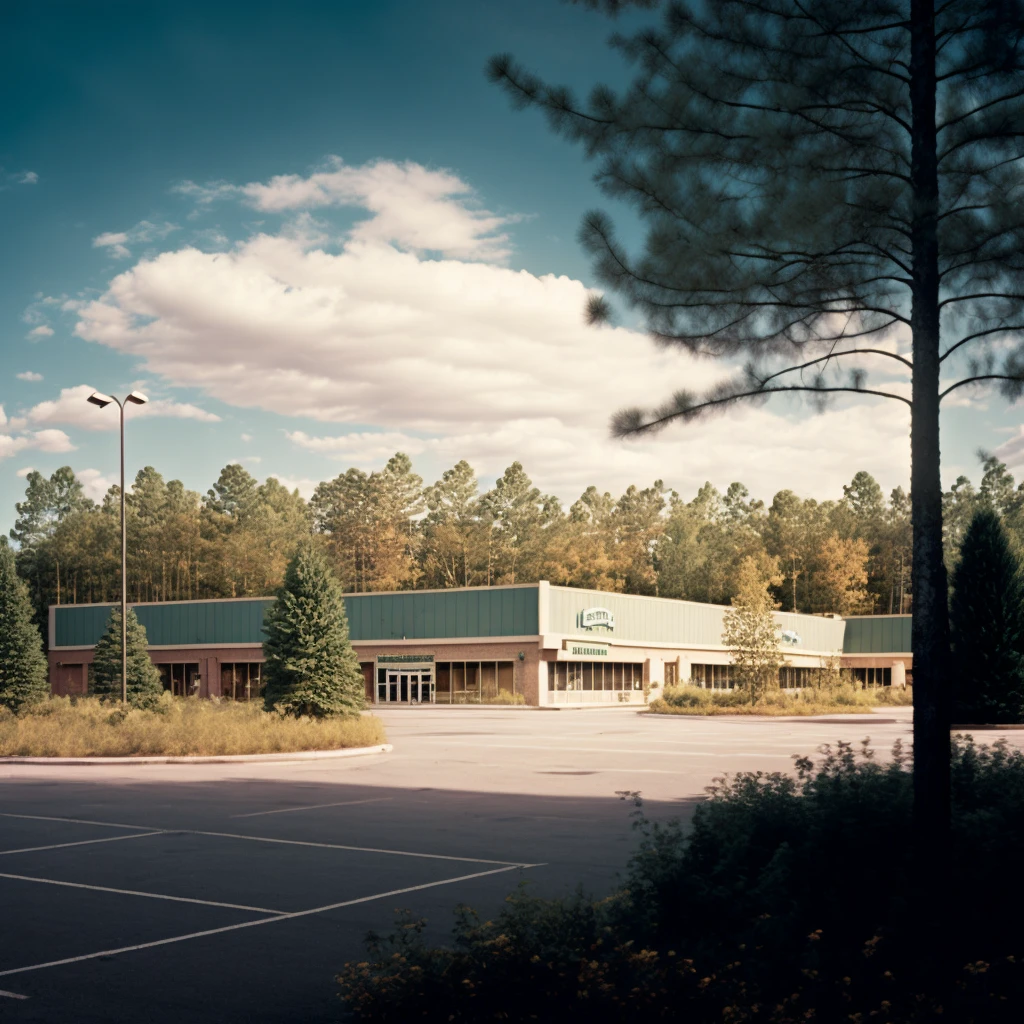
(294, 755)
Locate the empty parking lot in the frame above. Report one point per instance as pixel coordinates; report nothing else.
(236, 891)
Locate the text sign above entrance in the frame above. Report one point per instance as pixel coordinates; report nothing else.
(596, 618)
(582, 649)
(405, 659)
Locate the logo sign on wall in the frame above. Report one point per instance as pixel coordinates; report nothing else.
(596, 618)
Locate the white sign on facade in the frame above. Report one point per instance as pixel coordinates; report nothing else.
(596, 618)
(582, 649)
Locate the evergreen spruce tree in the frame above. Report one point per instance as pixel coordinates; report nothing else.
(987, 626)
(144, 687)
(311, 667)
(23, 671)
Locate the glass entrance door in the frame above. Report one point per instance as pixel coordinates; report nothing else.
(415, 687)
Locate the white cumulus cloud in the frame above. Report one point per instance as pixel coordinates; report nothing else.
(40, 440)
(458, 357)
(116, 242)
(72, 408)
(29, 375)
(42, 331)
(413, 207)
(95, 484)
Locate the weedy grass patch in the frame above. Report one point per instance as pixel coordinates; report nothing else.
(845, 699)
(174, 727)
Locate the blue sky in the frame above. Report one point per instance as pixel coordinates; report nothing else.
(314, 234)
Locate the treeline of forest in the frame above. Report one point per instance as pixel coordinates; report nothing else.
(385, 530)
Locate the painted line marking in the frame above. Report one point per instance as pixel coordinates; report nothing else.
(136, 892)
(604, 750)
(261, 921)
(355, 849)
(77, 821)
(81, 842)
(314, 807)
(11, 995)
(267, 839)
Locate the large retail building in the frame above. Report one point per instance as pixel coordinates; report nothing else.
(553, 645)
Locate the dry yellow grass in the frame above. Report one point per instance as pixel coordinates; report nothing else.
(87, 727)
(841, 700)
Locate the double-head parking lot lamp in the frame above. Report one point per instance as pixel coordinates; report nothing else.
(102, 400)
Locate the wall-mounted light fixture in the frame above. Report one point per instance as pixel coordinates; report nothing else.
(522, 656)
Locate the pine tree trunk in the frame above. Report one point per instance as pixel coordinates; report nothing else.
(930, 608)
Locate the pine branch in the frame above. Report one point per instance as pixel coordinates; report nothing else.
(979, 334)
(632, 422)
(1012, 378)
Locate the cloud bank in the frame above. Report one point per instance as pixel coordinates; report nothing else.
(411, 334)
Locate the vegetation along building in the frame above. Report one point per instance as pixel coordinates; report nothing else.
(553, 645)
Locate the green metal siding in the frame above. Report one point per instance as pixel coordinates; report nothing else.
(484, 612)
(495, 612)
(877, 634)
(181, 624)
(660, 620)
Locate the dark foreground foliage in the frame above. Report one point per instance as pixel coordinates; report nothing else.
(785, 901)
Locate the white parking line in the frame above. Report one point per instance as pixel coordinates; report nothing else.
(75, 821)
(81, 842)
(314, 807)
(603, 750)
(136, 892)
(11, 995)
(267, 839)
(261, 921)
(354, 849)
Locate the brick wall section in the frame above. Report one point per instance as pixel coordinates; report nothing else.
(68, 668)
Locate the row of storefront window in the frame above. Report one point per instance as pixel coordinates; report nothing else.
(564, 676)
(791, 677)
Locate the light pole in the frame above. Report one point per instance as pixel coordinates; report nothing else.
(136, 398)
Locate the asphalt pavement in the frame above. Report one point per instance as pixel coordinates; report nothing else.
(235, 892)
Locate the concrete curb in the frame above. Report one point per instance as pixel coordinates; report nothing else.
(296, 755)
(507, 707)
(824, 719)
(989, 728)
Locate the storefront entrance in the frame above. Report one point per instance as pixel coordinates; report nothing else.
(414, 687)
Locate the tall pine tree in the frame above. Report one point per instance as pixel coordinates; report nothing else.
(23, 672)
(144, 688)
(986, 618)
(311, 667)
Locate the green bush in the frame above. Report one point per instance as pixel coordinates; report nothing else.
(785, 901)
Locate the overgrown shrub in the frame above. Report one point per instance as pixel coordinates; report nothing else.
(505, 697)
(844, 697)
(173, 726)
(785, 901)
